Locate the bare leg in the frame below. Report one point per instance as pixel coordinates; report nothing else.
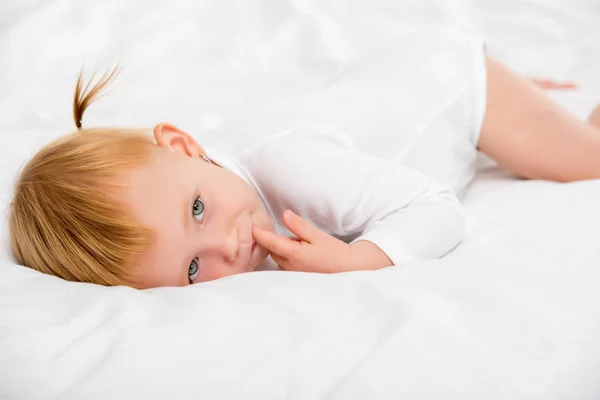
(530, 135)
(594, 119)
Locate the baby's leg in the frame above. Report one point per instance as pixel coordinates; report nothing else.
(532, 136)
(594, 118)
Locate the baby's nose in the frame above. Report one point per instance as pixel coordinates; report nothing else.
(227, 244)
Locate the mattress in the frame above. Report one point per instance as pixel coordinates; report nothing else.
(512, 313)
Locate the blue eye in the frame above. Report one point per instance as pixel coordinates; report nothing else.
(193, 270)
(198, 210)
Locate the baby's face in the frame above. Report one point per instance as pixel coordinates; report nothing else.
(202, 215)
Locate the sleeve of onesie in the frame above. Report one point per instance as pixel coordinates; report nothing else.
(319, 175)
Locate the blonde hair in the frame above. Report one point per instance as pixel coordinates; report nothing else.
(65, 218)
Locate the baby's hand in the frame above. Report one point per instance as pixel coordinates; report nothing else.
(311, 251)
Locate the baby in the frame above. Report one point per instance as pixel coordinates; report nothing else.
(116, 206)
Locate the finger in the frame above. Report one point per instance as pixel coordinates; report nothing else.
(281, 262)
(285, 264)
(300, 227)
(276, 244)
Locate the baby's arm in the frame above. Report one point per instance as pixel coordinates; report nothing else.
(366, 255)
(389, 212)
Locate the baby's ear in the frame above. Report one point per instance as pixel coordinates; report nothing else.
(170, 137)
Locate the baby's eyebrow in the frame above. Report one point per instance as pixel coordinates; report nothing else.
(186, 215)
(185, 268)
(186, 226)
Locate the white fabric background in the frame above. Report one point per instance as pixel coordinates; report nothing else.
(511, 314)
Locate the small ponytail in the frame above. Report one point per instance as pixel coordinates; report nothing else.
(85, 96)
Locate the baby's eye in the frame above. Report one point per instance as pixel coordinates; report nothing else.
(193, 270)
(198, 209)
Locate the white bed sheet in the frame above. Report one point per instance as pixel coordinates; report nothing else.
(513, 313)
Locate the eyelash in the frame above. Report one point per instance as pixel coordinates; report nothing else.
(202, 214)
(190, 279)
(203, 210)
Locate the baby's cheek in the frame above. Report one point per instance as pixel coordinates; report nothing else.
(266, 222)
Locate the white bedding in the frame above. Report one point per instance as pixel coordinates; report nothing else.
(513, 313)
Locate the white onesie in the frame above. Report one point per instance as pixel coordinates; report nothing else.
(317, 173)
(378, 154)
